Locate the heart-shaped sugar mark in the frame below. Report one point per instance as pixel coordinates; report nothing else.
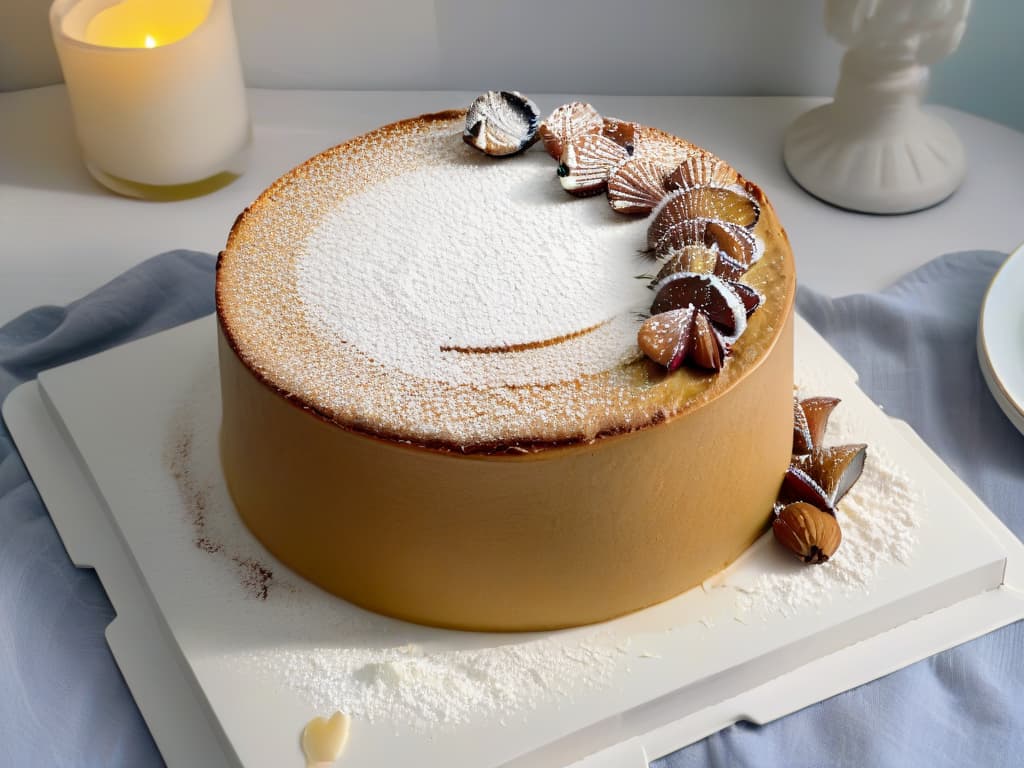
(323, 740)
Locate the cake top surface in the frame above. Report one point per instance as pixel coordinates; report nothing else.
(405, 285)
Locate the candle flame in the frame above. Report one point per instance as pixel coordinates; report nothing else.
(150, 42)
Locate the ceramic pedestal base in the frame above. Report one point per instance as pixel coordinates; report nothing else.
(873, 149)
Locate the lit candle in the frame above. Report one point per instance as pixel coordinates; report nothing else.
(156, 92)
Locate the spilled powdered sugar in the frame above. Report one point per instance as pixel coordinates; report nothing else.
(411, 685)
(335, 656)
(879, 518)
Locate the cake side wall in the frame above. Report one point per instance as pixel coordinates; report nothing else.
(562, 537)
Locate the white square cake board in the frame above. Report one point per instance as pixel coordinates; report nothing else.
(93, 436)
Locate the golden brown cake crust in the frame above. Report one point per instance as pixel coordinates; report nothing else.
(632, 397)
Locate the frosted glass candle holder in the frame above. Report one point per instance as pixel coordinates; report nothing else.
(156, 93)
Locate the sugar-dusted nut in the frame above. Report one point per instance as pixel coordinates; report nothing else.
(797, 485)
(568, 123)
(702, 169)
(501, 123)
(636, 186)
(587, 163)
(809, 533)
(661, 149)
(727, 205)
(737, 243)
(835, 469)
(622, 132)
(727, 304)
(810, 418)
(682, 335)
(691, 258)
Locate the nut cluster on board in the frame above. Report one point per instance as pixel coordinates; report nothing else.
(818, 477)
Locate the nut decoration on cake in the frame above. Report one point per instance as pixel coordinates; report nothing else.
(702, 217)
(818, 477)
(587, 163)
(622, 132)
(696, 318)
(637, 185)
(566, 125)
(501, 123)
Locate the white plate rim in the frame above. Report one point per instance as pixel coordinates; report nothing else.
(1003, 375)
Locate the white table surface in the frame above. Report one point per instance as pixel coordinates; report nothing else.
(63, 235)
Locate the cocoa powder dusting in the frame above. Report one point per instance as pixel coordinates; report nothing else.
(255, 577)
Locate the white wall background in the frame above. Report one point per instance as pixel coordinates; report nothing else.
(714, 47)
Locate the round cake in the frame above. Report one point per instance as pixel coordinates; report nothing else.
(447, 396)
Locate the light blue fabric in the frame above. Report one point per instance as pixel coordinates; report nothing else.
(64, 703)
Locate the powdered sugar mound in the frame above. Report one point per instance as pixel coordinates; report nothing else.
(410, 685)
(879, 518)
(402, 274)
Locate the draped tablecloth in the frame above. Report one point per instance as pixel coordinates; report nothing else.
(64, 703)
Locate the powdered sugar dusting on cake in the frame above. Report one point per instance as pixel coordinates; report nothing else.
(402, 273)
(463, 350)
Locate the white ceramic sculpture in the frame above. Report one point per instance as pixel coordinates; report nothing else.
(873, 148)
